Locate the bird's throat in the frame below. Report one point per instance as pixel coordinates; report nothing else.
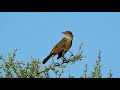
(67, 37)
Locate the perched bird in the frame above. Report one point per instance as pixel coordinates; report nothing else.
(62, 47)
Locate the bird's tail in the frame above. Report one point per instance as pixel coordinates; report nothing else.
(47, 58)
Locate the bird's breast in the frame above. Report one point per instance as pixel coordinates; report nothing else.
(68, 45)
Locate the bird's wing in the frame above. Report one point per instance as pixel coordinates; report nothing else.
(59, 46)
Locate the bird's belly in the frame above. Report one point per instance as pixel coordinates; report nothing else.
(67, 47)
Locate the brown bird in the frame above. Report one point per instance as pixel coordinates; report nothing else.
(62, 47)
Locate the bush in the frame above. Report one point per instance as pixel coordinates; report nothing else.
(16, 69)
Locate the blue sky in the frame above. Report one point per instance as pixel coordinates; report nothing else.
(35, 33)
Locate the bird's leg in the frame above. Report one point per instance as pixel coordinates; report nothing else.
(63, 58)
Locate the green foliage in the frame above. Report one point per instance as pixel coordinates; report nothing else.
(96, 73)
(34, 69)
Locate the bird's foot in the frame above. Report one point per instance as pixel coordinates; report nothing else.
(64, 60)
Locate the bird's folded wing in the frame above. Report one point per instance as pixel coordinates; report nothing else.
(59, 46)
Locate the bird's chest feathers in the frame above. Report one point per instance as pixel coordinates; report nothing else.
(68, 44)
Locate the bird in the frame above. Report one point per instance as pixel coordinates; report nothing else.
(61, 47)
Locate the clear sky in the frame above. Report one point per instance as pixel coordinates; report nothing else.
(35, 33)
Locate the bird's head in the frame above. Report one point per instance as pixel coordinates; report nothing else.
(68, 35)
